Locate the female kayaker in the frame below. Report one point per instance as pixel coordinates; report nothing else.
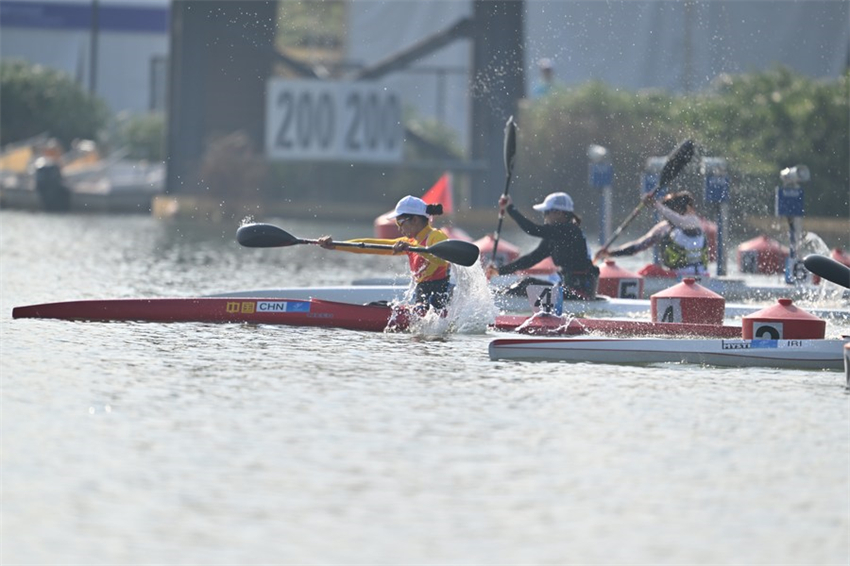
(562, 239)
(684, 247)
(430, 273)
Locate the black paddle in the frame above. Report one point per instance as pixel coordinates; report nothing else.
(676, 161)
(270, 236)
(509, 154)
(829, 269)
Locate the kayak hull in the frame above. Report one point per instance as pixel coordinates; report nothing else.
(791, 354)
(311, 312)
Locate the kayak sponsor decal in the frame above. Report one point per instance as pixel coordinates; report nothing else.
(250, 307)
(283, 306)
(760, 344)
(734, 344)
(236, 307)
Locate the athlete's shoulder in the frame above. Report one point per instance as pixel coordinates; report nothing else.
(436, 235)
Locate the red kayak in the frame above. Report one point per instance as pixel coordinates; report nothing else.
(310, 312)
(315, 312)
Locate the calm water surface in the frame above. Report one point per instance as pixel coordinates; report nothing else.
(228, 444)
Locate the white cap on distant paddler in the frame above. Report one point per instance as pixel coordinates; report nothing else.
(410, 205)
(555, 201)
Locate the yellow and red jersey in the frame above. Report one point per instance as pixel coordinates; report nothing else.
(423, 267)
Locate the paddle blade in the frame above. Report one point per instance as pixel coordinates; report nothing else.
(264, 236)
(676, 161)
(829, 269)
(510, 145)
(456, 251)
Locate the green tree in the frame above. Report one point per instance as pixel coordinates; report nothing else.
(760, 122)
(144, 136)
(764, 122)
(36, 99)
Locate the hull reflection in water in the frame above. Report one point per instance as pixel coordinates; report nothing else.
(792, 354)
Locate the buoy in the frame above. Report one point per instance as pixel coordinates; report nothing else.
(688, 302)
(762, 255)
(783, 321)
(616, 281)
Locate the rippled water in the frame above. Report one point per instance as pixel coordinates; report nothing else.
(213, 444)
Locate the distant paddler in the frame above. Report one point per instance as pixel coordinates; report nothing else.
(562, 239)
(684, 246)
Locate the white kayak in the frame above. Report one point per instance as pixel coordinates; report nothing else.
(601, 306)
(354, 294)
(794, 354)
(736, 290)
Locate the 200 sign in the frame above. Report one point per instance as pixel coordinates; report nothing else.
(322, 120)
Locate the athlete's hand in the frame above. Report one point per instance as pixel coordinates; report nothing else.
(601, 254)
(326, 242)
(504, 202)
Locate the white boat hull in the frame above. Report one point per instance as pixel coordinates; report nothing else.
(795, 354)
(737, 290)
(354, 294)
(603, 306)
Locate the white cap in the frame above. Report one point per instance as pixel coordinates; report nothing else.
(555, 201)
(545, 63)
(410, 205)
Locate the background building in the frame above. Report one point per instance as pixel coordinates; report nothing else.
(679, 46)
(117, 49)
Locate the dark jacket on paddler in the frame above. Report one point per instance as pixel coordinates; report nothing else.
(566, 244)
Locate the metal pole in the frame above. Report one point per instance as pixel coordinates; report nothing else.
(789, 203)
(95, 25)
(717, 191)
(605, 223)
(600, 177)
(441, 95)
(722, 222)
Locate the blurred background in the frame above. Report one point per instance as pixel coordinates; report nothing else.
(222, 109)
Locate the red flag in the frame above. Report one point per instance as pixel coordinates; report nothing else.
(441, 193)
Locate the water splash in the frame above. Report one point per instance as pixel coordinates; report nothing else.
(529, 326)
(825, 292)
(471, 310)
(813, 244)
